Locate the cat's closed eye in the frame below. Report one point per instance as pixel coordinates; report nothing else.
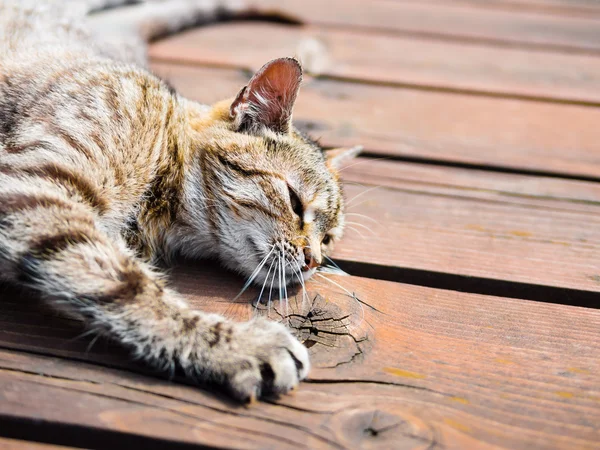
(296, 204)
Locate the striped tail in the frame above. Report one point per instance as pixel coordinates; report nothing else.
(126, 30)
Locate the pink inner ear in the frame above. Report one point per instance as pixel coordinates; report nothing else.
(270, 94)
(279, 79)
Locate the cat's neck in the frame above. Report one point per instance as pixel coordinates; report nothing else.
(165, 215)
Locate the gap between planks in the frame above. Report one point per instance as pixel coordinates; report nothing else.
(454, 21)
(393, 60)
(504, 134)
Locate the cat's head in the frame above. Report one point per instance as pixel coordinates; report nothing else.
(270, 196)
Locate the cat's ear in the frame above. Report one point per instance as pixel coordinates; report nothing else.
(268, 99)
(337, 157)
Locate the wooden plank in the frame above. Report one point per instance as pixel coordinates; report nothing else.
(525, 191)
(442, 20)
(427, 368)
(507, 133)
(491, 226)
(563, 7)
(392, 59)
(17, 444)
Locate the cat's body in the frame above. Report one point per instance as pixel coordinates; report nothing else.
(104, 167)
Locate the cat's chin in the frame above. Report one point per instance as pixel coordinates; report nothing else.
(309, 273)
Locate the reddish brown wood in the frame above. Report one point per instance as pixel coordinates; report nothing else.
(437, 366)
(395, 366)
(481, 230)
(561, 7)
(16, 444)
(519, 190)
(447, 19)
(410, 123)
(397, 60)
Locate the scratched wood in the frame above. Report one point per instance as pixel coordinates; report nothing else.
(445, 127)
(382, 58)
(442, 20)
(419, 367)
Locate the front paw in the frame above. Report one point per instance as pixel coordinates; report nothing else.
(261, 358)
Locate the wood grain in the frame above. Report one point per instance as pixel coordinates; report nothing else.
(438, 368)
(540, 192)
(16, 444)
(380, 58)
(425, 219)
(562, 7)
(447, 20)
(506, 133)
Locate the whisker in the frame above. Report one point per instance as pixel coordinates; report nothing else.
(350, 294)
(332, 271)
(254, 274)
(363, 216)
(349, 202)
(286, 300)
(82, 335)
(301, 280)
(271, 291)
(356, 205)
(333, 262)
(362, 236)
(89, 347)
(361, 225)
(265, 283)
(364, 160)
(280, 287)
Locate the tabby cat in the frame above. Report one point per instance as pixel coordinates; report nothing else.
(105, 169)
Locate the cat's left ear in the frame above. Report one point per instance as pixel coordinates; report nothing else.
(337, 157)
(268, 99)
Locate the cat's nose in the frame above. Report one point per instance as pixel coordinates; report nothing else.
(310, 262)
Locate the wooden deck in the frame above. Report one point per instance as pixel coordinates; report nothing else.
(475, 251)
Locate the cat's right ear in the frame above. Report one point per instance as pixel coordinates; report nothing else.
(338, 157)
(268, 99)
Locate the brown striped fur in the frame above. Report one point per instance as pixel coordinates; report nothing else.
(104, 168)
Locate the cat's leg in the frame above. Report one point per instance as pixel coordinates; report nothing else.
(53, 245)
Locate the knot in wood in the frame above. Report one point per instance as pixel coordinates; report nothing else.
(332, 330)
(379, 428)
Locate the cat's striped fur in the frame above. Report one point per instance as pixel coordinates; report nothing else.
(104, 167)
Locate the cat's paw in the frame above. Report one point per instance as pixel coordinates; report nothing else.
(265, 358)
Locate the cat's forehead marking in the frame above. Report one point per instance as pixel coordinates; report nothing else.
(315, 206)
(309, 214)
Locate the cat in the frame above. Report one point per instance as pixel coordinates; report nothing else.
(105, 169)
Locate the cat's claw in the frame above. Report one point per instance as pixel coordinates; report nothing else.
(270, 360)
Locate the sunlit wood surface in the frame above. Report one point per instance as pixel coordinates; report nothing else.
(471, 317)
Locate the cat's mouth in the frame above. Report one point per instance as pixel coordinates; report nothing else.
(279, 267)
(276, 273)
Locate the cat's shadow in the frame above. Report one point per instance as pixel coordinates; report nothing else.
(325, 327)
